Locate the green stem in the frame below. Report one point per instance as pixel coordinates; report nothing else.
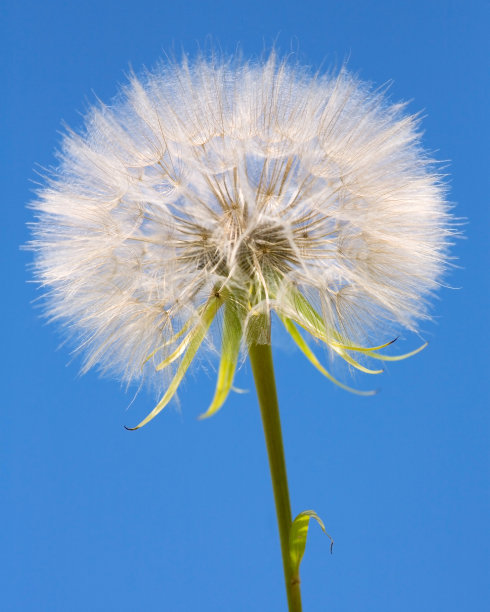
(263, 372)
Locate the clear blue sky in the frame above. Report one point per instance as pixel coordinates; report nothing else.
(179, 516)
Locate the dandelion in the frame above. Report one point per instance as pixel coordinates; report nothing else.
(213, 193)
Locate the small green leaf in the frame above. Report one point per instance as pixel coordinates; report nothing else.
(297, 538)
(230, 348)
(310, 355)
(197, 334)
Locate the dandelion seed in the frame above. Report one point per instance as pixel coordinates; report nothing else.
(220, 189)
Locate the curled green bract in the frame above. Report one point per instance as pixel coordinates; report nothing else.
(244, 321)
(232, 337)
(192, 341)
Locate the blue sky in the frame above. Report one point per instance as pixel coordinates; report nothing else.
(179, 516)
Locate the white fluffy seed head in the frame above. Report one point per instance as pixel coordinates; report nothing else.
(257, 177)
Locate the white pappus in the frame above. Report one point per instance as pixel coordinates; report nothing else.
(256, 186)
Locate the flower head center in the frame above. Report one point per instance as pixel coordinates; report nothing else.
(266, 250)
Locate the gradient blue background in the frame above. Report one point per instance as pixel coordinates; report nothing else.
(179, 516)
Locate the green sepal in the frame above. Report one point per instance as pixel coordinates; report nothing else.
(310, 355)
(308, 318)
(399, 357)
(196, 337)
(173, 339)
(178, 352)
(297, 538)
(230, 349)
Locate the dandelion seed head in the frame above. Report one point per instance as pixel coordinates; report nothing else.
(253, 178)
